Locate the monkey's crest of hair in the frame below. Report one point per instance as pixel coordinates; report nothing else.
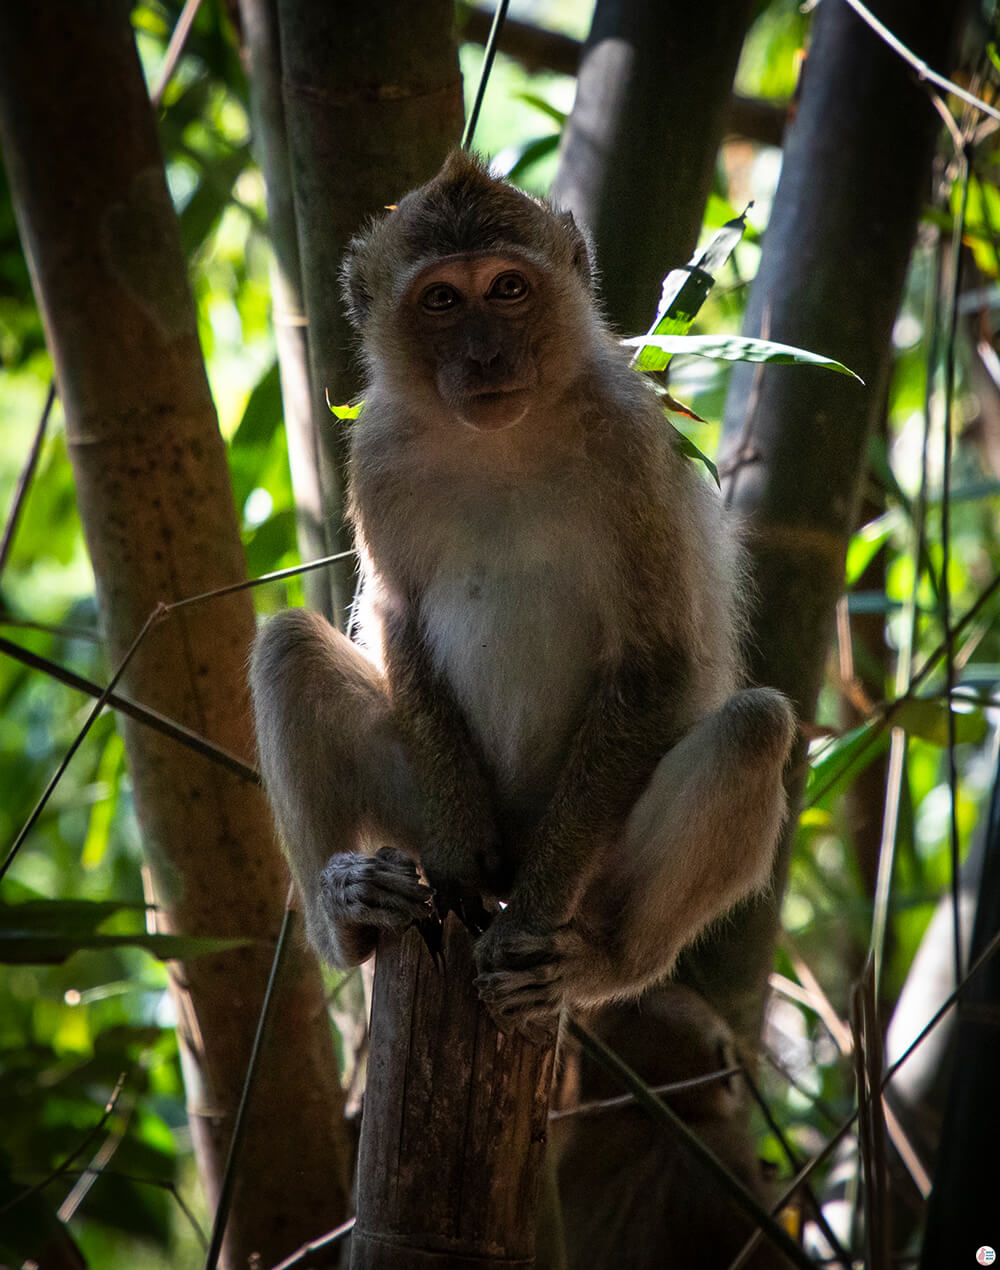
(463, 209)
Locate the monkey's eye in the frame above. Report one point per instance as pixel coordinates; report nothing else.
(508, 286)
(439, 297)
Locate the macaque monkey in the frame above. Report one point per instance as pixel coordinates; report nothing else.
(542, 706)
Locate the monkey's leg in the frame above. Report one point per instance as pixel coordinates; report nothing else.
(700, 837)
(338, 776)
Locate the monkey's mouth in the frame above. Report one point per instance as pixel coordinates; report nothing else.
(494, 408)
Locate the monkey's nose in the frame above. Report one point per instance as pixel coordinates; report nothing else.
(485, 358)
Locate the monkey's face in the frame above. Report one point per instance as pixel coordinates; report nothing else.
(474, 323)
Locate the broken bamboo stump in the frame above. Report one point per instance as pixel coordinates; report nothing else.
(454, 1123)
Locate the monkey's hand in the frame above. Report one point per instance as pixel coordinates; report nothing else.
(362, 895)
(524, 971)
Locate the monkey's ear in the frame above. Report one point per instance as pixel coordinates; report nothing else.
(582, 254)
(354, 287)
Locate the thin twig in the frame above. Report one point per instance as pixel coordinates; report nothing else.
(240, 1124)
(84, 1145)
(178, 39)
(627, 1100)
(661, 1111)
(484, 74)
(840, 1253)
(871, 1136)
(158, 614)
(143, 714)
(161, 612)
(949, 646)
(847, 1125)
(161, 1183)
(100, 1161)
(883, 713)
(59, 630)
(25, 478)
(924, 72)
(302, 1255)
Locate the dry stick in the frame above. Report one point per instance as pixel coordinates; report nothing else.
(811, 994)
(949, 647)
(868, 1074)
(626, 1100)
(25, 478)
(660, 1111)
(178, 39)
(142, 714)
(302, 1255)
(99, 1162)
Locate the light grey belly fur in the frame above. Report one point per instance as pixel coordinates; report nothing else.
(518, 650)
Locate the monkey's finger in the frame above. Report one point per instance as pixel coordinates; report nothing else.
(539, 1028)
(518, 953)
(399, 859)
(520, 994)
(539, 1031)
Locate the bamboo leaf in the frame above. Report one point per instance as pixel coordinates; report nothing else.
(47, 932)
(739, 348)
(688, 448)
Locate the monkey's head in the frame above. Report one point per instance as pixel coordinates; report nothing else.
(473, 297)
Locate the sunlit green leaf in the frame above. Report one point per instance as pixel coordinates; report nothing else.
(345, 412)
(841, 761)
(739, 348)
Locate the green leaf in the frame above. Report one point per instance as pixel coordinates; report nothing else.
(531, 152)
(739, 348)
(262, 413)
(684, 292)
(546, 107)
(345, 413)
(927, 718)
(842, 761)
(46, 932)
(688, 448)
(211, 198)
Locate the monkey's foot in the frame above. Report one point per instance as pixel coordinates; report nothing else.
(381, 890)
(523, 975)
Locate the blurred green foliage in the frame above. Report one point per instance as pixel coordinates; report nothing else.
(70, 1031)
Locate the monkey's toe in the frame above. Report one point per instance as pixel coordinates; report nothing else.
(524, 1001)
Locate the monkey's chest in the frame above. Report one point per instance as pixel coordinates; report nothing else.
(519, 651)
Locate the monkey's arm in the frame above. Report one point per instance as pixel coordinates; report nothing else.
(338, 777)
(461, 851)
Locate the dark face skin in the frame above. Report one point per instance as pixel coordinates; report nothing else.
(475, 316)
